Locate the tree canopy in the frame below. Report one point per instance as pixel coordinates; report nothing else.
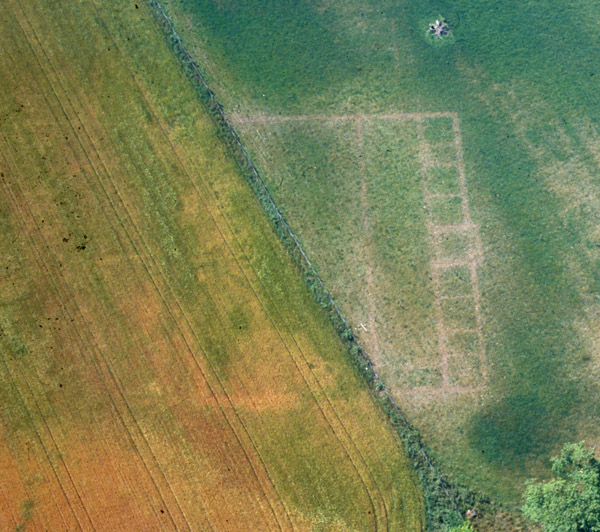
(569, 502)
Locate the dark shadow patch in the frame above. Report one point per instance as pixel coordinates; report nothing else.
(537, 412)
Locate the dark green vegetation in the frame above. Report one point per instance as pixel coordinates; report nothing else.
(162, 364)
(521, 78)
(570, 502)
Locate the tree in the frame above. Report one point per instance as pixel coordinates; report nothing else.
(570, 502)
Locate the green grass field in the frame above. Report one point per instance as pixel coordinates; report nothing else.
(162, 364)
(521, 80)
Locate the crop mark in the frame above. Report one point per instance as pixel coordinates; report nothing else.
(440, 263)
(169, 311)
(7, 508)
(82, 523)
(437, 229)
(438, 392)
(48, 451)
(257, 119)
(367, 244)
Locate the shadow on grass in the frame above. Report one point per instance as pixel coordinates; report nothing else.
(522, 426)
(536, 401)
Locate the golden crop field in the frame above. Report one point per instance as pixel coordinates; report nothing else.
(162, 364)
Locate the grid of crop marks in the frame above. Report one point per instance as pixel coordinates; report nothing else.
(456, 250)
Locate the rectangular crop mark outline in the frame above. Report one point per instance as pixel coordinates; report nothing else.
(437, 264)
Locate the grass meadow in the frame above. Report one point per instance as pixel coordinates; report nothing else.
(521, 78)
(162, 364)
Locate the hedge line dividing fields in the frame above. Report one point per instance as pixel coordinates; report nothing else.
(163, 364)
(529, 149)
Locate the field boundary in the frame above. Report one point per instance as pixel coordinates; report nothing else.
(445, 502)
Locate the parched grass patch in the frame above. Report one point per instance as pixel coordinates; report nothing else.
(527, 110)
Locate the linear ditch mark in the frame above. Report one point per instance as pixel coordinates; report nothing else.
(338, 117)
(440, 264)
(367, 243)
(477, 241)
